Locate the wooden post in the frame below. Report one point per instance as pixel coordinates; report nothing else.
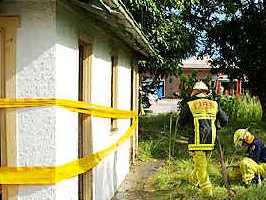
(218, 87)
(134, 106)
(8, 29)
(238, 87)
(85, 132)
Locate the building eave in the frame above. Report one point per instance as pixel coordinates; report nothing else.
(194, 63)
(120, 21)
(193, 66)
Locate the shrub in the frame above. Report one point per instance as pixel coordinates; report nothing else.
(157, 139)
(244, 109)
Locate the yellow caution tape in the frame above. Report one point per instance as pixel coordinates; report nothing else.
(51, 175)
(74, 106)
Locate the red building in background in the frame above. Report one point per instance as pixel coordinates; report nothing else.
(172, 84)
(223, 85)
(221, 82)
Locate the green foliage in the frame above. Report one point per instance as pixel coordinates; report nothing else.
(173, 176)
(153, 124)
(187, 82)
(253, 192)
(174, 173)
(167, 33)
(244, 109)
(156, 137)
(233, 34)
(155, 148)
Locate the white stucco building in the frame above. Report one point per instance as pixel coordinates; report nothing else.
(71, 49)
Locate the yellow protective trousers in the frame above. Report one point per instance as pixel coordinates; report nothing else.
(199, 174)
(249, 169)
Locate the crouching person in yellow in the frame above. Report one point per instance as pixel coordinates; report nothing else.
(200, 114)
(253, 167)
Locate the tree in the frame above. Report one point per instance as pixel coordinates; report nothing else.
(233, 34)
(171, 39)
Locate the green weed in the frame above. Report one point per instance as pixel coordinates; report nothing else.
(244, 109)
(157, 140)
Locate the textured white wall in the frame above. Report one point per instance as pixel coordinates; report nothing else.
(47, 66)
(67, 66)
(112, 171)
(101, 128)
(66, 121)
(124, 102)
(35, 78)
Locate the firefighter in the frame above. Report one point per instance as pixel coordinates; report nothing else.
(200, 114)
(253, 167)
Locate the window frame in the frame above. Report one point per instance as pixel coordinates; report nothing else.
(8, 27)
(85, 140)
(114, 89)
(134, 106)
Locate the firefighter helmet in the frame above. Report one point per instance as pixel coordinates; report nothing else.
(200, 88)
(241, 135)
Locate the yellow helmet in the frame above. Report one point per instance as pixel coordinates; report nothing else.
(200, 86)
(241, 135)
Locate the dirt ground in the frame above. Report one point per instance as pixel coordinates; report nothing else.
(138, 185)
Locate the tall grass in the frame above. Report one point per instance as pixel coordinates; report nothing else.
(159, 137)
(158, 140)
(244, 109)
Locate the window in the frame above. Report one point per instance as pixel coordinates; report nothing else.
(161, 89)
(85, 136)
(114, 89)
(134, 106)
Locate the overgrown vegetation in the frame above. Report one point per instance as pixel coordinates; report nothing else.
(167, 33)
(159, 140)
(187, 82)
(156, 141)
(232, 33)
(244, 109)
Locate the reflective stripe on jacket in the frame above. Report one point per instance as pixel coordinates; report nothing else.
(204, 113)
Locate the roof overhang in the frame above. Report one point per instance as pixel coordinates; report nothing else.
(194, 63)
(120, 21)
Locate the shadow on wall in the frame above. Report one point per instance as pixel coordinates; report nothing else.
(36, 73)
(35, 46)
